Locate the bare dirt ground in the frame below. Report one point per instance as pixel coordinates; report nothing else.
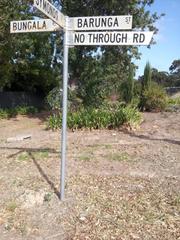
(119, 185)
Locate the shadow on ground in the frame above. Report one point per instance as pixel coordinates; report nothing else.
(30, 152)
(145, 137)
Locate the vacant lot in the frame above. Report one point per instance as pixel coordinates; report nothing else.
(119, 185)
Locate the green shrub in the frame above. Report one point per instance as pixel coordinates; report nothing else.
(54, 99)
(146, 82)
(24, 110)
(147, 79)
(127, 87)
(4, 114)
(155, 98)
(12, 112)
(104, 118)
(174, 101)
(55, 121)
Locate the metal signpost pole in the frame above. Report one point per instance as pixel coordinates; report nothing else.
(64, 119)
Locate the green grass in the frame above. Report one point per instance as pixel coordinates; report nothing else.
(85, 158)
(108, 146)
(23, 157)
(120, 157)
(41, 154)
(100, 146)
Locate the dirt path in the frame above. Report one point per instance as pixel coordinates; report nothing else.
(120, 185)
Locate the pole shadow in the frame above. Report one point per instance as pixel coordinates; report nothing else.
(172, 141)
(30, 152)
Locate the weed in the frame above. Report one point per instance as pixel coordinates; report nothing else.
(11, 206)
(85, 158)
(23, 157)
(47, 197)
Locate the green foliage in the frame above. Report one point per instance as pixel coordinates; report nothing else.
(54, 99)
(91, 85)
(175, 73)
(98, 118)
(155, 98)
(24, 110)
(5, 114)
(145, 85)
(147, 79)
(12, 112)
(27, 64)
(160, 77)
(25, 59)
(99, 71)
(166, 79)
(174, 101)
(127, 87)
(175, 67)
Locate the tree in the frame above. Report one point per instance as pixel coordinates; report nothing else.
(147, 78)
(160, 77)
(25, 59)
(117, 59)
(175, 73)
(128, 86)
(175, 67)
(145, 84)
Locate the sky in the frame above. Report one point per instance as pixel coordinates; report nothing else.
(167, 47)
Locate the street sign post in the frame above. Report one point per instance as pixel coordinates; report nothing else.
(40, 25)
(72, 38)
(49, 10)
(109, 38)
(64, 119)
(100, 23)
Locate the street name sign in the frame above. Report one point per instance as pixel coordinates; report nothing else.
(100, 23)
(109, 38)
(49, 10)
(41, 25)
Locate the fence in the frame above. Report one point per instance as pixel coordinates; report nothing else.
(14, 99)
(172, 90)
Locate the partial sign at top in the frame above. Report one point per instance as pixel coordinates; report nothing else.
(49, 10)
(100, 23)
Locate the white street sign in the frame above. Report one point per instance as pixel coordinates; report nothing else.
(100, 23)
(49, 10)
(109, 38)
(42, 25)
